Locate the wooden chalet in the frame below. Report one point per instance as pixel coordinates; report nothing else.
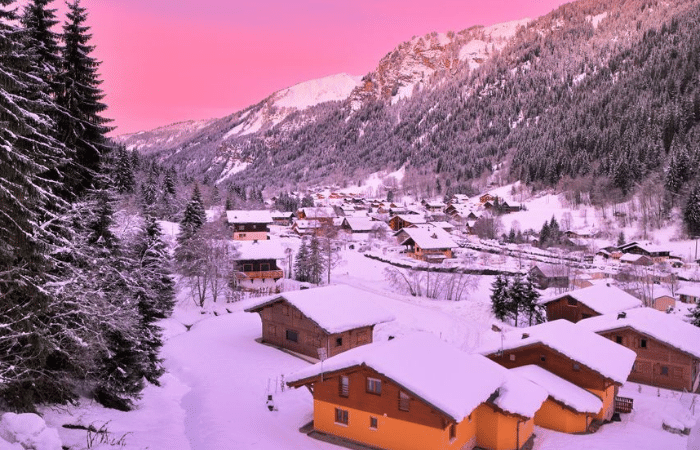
(689, 294)
(334, 318)
(595, 300)
(360, 225)
(405, 221)
(249, 225)
(304, 227)
(417, 392)
(324, 215)
(572, 353)
(487, 198)
(656, 253)
(257, 265)
(636, 260)
(430, 244)
(662, 299)
(667, 348)
(550, 276)
(282, 218)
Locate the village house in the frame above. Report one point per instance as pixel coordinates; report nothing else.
(257, 265)
(550, 276)
(433, 206)
(572, 353)
(249, 225)
(667, 348)
(427, 244)
(334, 318)
(595, 300)
(325, 214)
(636, 260)
(282, 218)
(404, 221)
(307, 227)
(662, 299)
(655, 252)
(417, 392)
(689, 294)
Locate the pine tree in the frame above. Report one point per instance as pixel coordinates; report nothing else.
(530, 305)
(301, 262)
(694, 316)
(80, 96)
(194, 216)
(316, 260)
(691, 212)
(499, 297)
(124, 172)
(516, 298)
(38, 21)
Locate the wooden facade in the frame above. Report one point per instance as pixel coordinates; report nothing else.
(250, 231)
(285, 326)
(398, 222)
(547, 277)
(348, 404)
(568, 308)
(657, 363)
(564, 367)
(251, 269)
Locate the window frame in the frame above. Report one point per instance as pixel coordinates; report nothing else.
(374, 386)
(342, 417)
(289, 333)
(404, 401)
(373, 423)
(344, 386)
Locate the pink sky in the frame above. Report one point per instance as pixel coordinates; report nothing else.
(165, 61)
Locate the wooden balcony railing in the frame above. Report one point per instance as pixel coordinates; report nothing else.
(276, 274)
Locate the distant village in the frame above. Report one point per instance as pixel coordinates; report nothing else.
(614, 315)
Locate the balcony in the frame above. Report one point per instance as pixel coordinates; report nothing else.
(275, 274)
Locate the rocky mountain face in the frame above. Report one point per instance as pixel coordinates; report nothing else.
(578, 93)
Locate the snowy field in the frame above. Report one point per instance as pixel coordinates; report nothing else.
(214, 394)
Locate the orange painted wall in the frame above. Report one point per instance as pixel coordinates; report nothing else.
(392, 434)
(497, 431)
(608, 398)
(555, 416)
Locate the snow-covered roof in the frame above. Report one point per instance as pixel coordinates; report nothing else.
(411, 218)
(559, 389)
(601, 298)
(632, 257)
(260, 250)
(281, 214)
(429, 238)
(691, 290)
(242, 216)
(601, 355)
(319, 212)
(362, 223)
(334, 308)
(659, 325)
(443, 225)
(452, 381)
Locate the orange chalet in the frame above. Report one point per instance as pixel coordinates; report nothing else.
(418, 393)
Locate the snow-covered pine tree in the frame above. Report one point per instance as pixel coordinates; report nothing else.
(194, 216)
(499, 297)
(82, 128)
(124, 180)
(316, 261)
(516, 298)
(38, 20)
(530, 305)
(691, 212)
(301, 262)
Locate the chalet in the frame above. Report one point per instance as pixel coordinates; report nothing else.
(487, 198)
(594, 300)
(636, 260)
(448, 227)
(689, 294)
(249, 225)
(306, 227)
(257, 265)
(434, 206)
(655, 252)
(667, 348)
(579, 356)
(568, 408)
(510, 206)
(549, 275)
(335, 318)
(325, 215)
(282, 218)
(428, 244)
(417, 392)
(405, 221)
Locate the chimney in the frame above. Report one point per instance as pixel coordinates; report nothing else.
(621, 315)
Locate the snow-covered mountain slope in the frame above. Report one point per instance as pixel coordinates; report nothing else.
(168, 135)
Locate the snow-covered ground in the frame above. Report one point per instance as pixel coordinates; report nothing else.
(215, 392)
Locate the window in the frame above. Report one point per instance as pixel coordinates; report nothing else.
(571, 301)
(404, 401)
(576, 367)
(373, 422)
(618, 339)
(247, 267)
(292, 336)
(453, 432)
(643, 343)
(664, 370)
(543, 358)
(344, 386)
(512, 357)
(341, 416)
(241, 235)
(339, 342)
(374, 386)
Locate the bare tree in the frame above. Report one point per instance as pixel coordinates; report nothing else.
(431, 284)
